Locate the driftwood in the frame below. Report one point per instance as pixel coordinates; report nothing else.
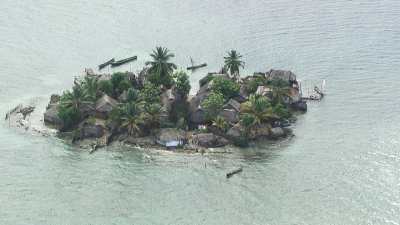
(233, 172)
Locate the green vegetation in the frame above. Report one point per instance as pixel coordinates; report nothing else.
(90, 87)
(150, 93)
(226, 87)
(258, 107)
(182, 83)
(233, 63)
(280, 90)
(220, 123)
(160, 67)
(213, 104)
(253, 84)
(106, 87)
(70, 103)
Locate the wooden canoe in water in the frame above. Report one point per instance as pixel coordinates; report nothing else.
(101, 66)
(196, 66)
(123, 61)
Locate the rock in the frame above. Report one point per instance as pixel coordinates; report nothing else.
(104, 106)
(209, 140)
(27, 110)
(230, 115)
(264, 91)
(259, 131)
(285, 75)
(167, 99)
(141, 141)
(87, 109)
(89, 130)
(294, 95)
(171, 137)
(197, 115)
(51, 117)
(277, 132)
(232, 104)
(123, 97)
(235, 132)
(301, 106)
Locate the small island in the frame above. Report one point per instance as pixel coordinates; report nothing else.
(154, 109)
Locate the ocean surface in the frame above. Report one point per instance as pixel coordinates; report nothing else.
(341, 167)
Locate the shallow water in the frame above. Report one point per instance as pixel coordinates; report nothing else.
(342, 166)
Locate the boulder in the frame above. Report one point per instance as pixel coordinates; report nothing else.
(167, 99)
(105, 105)
(235, 132)
(264, 91)
(123, 97)
(230, 115)
(285, 75)
(260, 131)
(294, 95)
(232, 104)
(197, 115)
(51, 117)
(87, 109)
(209, 140)
(88, 130)
(171, 137)
(277, 132)
(141, 141)
(300, 105)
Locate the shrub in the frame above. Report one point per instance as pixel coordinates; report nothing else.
(106, 87)
(228, 88)
(150, 93)
(253, 84)
(247, 121)
(179, 109)
(213, 104)
(182, 83)
(117, 78)
(282, 111)
(123, 86)
(132, 95)
(70, 116)
(278, 83)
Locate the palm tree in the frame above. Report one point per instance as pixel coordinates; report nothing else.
(152, 114)
(280, 90)
(233, 63)
(131, 119)
(220, 123)
(90, 87)
(258, 107)
(160, 67)
(73, 99)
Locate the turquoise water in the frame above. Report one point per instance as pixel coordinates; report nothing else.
(342, 166)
